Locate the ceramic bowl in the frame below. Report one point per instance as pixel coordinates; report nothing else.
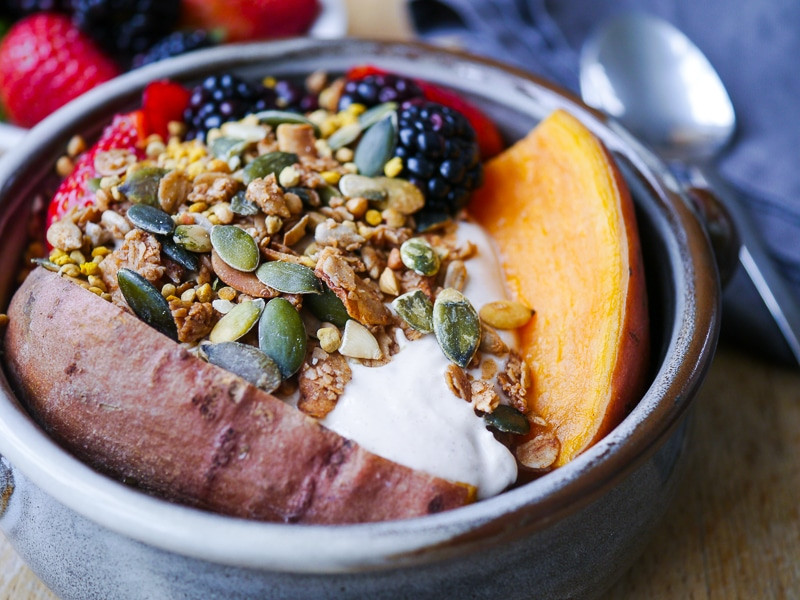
(569, 534)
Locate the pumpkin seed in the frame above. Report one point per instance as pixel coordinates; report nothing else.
(242, 206)
(237, 321)
(272, 162)
(289, 278)
(326, 193)
(282, 335)
(508, 419)
(416, 309)
(358, 342)
(147, 302)
(248, 362)
(457, 326)
(504, 314)
(376, 146)
(141, 186)
(179, 254)
(344, 136)
(194, 238)
(235, 247)
(276, 117)
(226, 148)
(150, 219)
(369, 117)
(418, 255)
(308, 196)
(327, 307)
(361, 186)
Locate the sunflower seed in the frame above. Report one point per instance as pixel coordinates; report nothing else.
(147, 302)
(141, 186)
(276, 117)
(237, 321)
(289, 278)
(282, 335)
(457, 326)
(416, 309)
(376, 146)
(418, 255)
(272, 162)
(235, 247)
(248, 362)
(361, 186)
(327, 307)
(150, 219)
(194, 238)
(508, 419)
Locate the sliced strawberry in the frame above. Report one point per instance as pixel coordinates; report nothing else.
(126, 132)
(489, 138)
(162, 102)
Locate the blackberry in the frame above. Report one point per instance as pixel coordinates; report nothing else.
(176, 43)
(440, 154)
(125, 28)
(17, 9)
(376, 89)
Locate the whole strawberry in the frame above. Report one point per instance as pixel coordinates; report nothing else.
(45, 62)
(244, 20)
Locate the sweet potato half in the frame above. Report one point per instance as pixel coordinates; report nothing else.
(131, 402)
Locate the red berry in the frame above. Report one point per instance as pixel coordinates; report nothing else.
(45, 62)
(489, 138)
(244, 20)
(162, 102)
(125, 133)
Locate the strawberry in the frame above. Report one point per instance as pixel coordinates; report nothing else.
(44, 63)
(162, 102)
(244, 20)
(126, 132)
(489, 138)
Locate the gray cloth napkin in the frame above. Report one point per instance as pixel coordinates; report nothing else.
(755, 47)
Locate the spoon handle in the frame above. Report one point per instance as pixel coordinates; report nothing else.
(755, 260)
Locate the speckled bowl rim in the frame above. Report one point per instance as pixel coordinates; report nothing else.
(353, 548)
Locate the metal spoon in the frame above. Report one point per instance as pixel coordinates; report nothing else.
(659, 85)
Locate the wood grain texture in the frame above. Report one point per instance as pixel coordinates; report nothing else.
(733, 530)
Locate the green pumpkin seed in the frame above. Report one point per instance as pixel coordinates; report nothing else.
(227, 147)
(147, 302)
(276, 117)
(46, 263)
(369, 117)
(93, 184)
(237, 321)
(309, 197)
(179, 254)
(150, 219)
(326, 193)
(376, 146)
(344, 135)
(235, 247)
(508, 419)
(418, 255)
(327, 307)
(282, 335)
(416, 309)
(457, 326)
(360, 186)
(272, 162)
(194, 238)
(141, 186)
(242, 206)
(248, 362)
(289, 278)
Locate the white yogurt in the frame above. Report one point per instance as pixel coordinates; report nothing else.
(405, 412)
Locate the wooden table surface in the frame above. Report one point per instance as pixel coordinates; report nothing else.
(733, 530)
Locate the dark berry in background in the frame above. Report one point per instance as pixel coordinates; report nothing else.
(125, 28)
(16, 9)
(377, 89)
(440, 154)
(176, 43)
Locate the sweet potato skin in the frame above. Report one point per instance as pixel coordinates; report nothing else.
(134, 404)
